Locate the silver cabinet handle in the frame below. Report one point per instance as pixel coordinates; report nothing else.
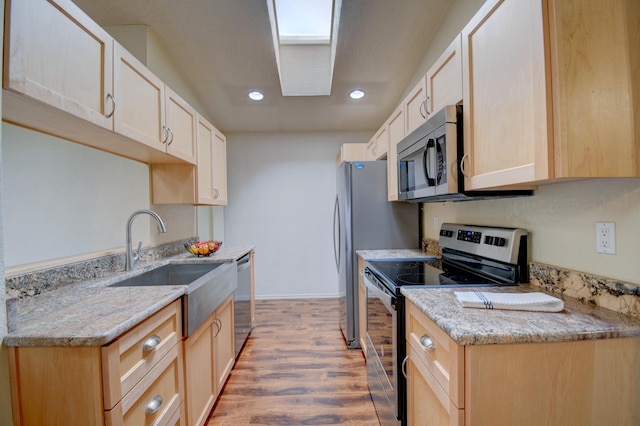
(170, 132)
(153, 405)
(404, 367)
(426, 104)
(216, 193)
(427, 342)
(423, 105)
(462, 170)
(113, 103)
(151, 343)
(218, 324)
(165, 134)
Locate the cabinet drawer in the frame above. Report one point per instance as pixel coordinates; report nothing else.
(127, 360)
(162, 386)
(427, 399)
(444, 359)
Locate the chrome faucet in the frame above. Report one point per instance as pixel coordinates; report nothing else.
(131, 257)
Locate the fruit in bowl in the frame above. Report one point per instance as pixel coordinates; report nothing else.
(203, 248)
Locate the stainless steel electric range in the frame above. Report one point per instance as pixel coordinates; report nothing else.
(471, 256)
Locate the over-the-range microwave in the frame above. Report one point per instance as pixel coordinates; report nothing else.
(429, 161)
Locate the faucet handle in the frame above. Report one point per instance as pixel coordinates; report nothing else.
(136, 255)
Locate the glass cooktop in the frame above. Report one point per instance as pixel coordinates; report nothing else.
(419, 272)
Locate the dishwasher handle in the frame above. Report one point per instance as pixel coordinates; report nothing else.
(244, 262)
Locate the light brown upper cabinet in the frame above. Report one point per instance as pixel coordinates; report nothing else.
(414, 105)
(378, 145)
(441, 86)
(150, 112)
(351, 152)
(60, 57)
(141, 101)
(444, 79)
(205, 183)
(65, 76)
(212, 165)
(549, 90)
(180, 124)
(396, 126)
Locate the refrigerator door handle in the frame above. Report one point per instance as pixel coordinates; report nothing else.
(336, 249)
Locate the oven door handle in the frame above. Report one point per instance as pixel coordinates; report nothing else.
(384, 296)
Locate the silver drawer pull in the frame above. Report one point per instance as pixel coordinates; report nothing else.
(151, 343)
(427, 342)
(153, 405)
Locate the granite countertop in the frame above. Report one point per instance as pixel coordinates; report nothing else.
(93, 314)
(394, 254)
(472, 326)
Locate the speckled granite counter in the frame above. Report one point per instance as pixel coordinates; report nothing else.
(92, 314)
(470, 326)
(393, 254)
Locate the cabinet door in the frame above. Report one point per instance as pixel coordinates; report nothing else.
(596, 88)
(181, 127)
(414, 103)
(200, 382)
(426, 399)
(378, 146)
(140, 101)
(219, 169)
(224, 345)
(352, 152)
(59, 56)
(506, 95)
(206, 141)
(444, 79)
(396, 134)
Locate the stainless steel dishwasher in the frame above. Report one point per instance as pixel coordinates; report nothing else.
(242, 302)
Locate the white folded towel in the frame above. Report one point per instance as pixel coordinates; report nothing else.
(514, 301)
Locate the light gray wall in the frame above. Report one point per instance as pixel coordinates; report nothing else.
(282, 189)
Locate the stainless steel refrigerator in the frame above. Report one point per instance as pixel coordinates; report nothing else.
(364, 220)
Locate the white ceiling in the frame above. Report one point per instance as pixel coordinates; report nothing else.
(224, 49)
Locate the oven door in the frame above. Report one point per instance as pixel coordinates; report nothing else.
(382, 341)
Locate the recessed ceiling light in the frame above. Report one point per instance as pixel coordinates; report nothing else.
(357, 94)
(256, 96)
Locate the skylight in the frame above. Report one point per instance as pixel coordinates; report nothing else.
(304, 21)
(305, 35)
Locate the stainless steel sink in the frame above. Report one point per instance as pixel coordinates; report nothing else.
(208, 285)
(171, 274)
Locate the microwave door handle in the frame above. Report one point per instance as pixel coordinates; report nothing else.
(440, 162)
(425, 162)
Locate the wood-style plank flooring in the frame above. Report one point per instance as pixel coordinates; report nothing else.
(295, 369)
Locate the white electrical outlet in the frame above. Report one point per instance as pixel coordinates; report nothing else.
(606, 237)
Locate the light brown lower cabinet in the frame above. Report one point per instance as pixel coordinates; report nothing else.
(588, 382)
(136, 379)
(209, 357)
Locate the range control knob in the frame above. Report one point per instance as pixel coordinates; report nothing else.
(446, 233)
(495, 241)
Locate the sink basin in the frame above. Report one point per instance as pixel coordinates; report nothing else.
(208, 285)
(171, 274)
